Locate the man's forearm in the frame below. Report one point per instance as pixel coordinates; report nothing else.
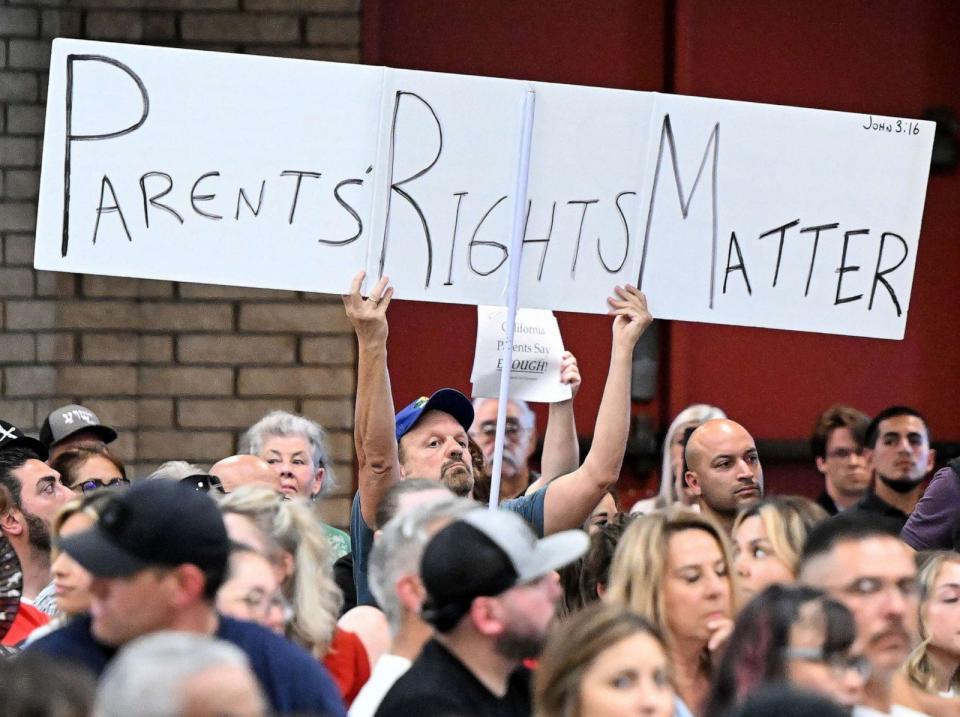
(375, 428)
(613, 421)
(561, 449)
(571, 497)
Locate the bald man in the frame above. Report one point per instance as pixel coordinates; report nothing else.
(237, 471)
(723, 469)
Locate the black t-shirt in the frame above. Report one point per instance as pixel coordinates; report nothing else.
(826, 502)
(293, 681)
(439, 685)
(872, 503)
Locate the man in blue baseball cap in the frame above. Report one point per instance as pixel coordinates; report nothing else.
(428, 438)
(420, 426)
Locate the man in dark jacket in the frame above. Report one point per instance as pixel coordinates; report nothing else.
(158, 554)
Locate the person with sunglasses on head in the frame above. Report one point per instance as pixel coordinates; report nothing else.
(158, 554)
(34, 492)
(87, 467)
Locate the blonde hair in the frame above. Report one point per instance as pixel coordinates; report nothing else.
(917, 667)
(292, 525)
(640, 562)
(787, 520)
(573, 646)
(88, 504)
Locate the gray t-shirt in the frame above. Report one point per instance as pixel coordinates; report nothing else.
(528, 507)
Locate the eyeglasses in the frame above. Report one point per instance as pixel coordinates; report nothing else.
(869, 587)
(838, 663)
(261, 603)
(203, 482)
(92, 484)
(845, 453)
(511, 428)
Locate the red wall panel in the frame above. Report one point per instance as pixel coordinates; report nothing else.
(893, 57)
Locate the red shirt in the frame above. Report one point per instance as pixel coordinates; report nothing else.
(27, 620)
(348, 664)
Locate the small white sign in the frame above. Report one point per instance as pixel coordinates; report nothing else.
(537, 353)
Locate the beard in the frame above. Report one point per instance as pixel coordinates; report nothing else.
(456, 475)
(38, 532)
(513, 459)
(520, 646)
(900, 485)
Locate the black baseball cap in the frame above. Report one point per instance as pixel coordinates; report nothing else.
(13, 437)
(155, 523)
(485, 553)
(67, 420)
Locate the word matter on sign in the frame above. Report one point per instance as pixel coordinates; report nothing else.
(291, 174)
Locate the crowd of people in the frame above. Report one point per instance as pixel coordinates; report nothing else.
(219, 591)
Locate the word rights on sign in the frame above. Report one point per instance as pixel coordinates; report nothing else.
(293, 174)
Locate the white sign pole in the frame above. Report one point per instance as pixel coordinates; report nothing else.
(513, 284)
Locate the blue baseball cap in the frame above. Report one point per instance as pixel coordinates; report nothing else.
(448, 400)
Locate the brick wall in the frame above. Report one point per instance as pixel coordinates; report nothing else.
(180, 369)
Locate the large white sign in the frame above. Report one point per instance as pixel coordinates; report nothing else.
(292, 174)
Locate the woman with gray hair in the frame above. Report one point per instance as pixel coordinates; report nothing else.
(296, 449)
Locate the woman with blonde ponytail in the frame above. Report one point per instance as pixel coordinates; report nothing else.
(293, 539)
